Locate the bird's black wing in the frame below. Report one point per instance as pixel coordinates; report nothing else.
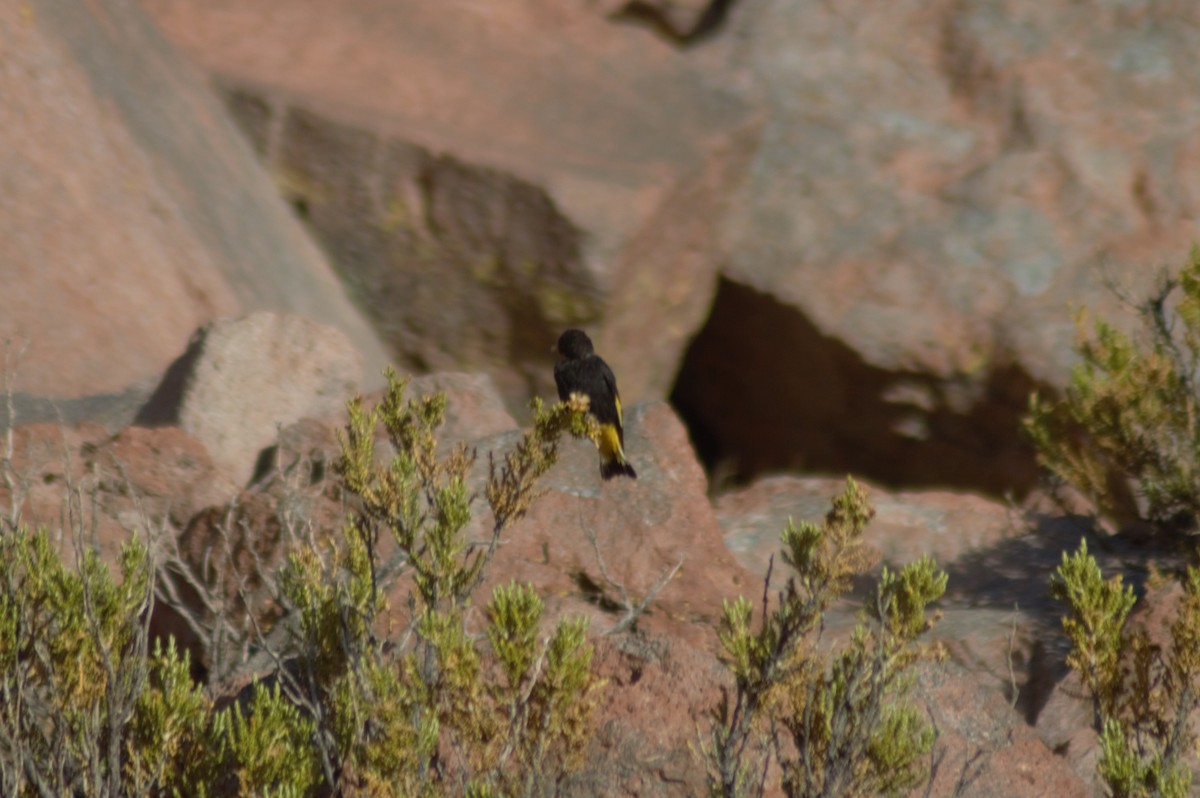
(610, 383)
(562, 380)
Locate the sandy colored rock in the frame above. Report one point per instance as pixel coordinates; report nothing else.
(906, 526)
(167, 474)
(474, 408)
(642, 528)
(936, 185)
(46, 458)
(940, 234)
(945, 229)
(679, 685)
(983, 745)
(133, 209)
(81, 480)
(241, 379)
(1065, 725)
(765, 389)
(579, 181)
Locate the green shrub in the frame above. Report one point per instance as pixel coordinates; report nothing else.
(83, 709)
(1126, 434)
(432, 710)
(354, 707)
(1142, 695)
(268, 749)
(849, 731)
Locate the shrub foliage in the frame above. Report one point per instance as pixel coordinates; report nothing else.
(83, 709)
(441, 696)
(1126, 434)
(1143, 694)
(353, 706)
(837, 724)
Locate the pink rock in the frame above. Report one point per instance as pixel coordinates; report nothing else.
(241, 379)
(134, 211)
(480, 194)
(906, 525)
(983, 744)
(643, 529)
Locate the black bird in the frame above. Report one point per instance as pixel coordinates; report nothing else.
(583, 372)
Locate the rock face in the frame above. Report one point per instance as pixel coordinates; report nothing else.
(140, 480)
(642, 529)
(479, 194)
(627, 756)
(984, 748)
(241, 379)
(764, 390)
(945, 526)
(133, 211)
(937, 181)
(936, 184)
(840, 239)
(996, 614)
(475, 408)
(912, 194)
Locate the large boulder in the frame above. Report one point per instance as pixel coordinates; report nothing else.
(92, 489)
(937, 185)
(132, 209)
(936, 182)
(484, 178)
(907, 197)
(908, 525)
(242, 379)
(584, 533)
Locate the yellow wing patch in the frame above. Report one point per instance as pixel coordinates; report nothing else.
(610, 444)
(617, 400)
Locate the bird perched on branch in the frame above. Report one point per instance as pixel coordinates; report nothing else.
(583, 372)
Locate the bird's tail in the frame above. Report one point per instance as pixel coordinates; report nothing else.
(612, 456)
(616, 467)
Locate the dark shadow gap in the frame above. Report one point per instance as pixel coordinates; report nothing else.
(762, 390)
(653, 16)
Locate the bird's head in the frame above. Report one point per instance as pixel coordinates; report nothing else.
(574, 344)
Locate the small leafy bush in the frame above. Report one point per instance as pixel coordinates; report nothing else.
(1126, 434)
(1142, 695)
(431, 710)
(83, 709)
(837, 724)
(352, 705)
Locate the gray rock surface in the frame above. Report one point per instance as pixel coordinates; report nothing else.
(132, 209)
(242, 379)
(938, 181)
(483, 179)
(914, 195)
